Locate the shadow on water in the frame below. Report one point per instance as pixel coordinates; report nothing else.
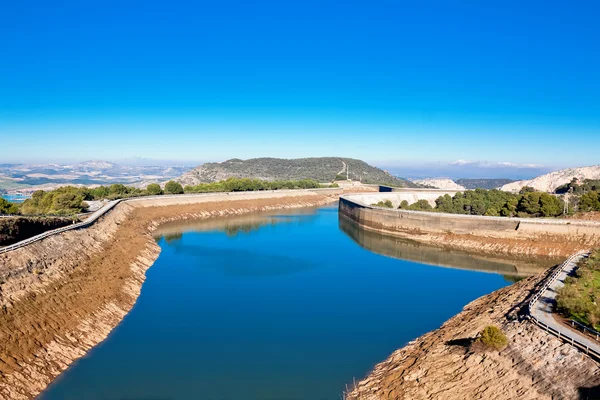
(395, 247)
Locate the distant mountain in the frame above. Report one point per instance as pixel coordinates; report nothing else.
(549, 182)
(439, 183)
(483, 183)
(322, 169)
(89, 173)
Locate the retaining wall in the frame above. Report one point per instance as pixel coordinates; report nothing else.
(358, 208)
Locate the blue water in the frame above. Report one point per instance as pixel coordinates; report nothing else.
(14, 198)
(284, 307)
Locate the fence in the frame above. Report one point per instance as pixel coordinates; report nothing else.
(562, 336)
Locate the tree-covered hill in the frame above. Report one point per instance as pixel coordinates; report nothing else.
(322, 169)
(483, 183)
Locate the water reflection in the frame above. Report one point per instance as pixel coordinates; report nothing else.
(236, 224)
(392, 246)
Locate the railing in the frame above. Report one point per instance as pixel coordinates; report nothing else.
(97, 214)
(562, 336)
(93, 218)
(585, 329)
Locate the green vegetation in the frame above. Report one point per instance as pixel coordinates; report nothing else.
(386, 204)
(482, 183)
(66, 200)
(491, 338)
(70, 200)
(154, 189)
(420, 205)
(494, 203)
(579, 298)
(247, 184)
(6, 207)
(319, 169)
(173, 187)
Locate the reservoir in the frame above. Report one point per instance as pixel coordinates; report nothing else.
(282, 306)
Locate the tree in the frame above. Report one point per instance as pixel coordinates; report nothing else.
(526, 189)
(154, 189)
(403, 204)
(173, 187)
(117, 189)
(6, 207)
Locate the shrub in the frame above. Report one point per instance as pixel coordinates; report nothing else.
(386, 204)
(173, 187)
(491, 338)
(154, 189)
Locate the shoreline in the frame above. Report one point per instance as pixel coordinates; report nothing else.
(441, 365)
(57, 308)
(63, 295)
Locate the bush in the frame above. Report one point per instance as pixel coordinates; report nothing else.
(173, 187)
(386, 204)
(154, 189)
(491, 338)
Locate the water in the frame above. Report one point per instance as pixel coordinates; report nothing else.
(267, 307)
(14, 198)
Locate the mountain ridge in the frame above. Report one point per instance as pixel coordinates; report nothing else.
(550, 181)
(321, 169)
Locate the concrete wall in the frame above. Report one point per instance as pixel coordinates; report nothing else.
(358, 208)
(397, 195)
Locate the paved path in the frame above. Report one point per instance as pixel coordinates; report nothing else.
(542, 308)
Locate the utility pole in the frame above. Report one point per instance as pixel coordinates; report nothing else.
(566, 207)
(347, 169)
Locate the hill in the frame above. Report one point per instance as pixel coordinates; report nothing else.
(439, 183)
(483, 183)
(321, 169)
(549, 182)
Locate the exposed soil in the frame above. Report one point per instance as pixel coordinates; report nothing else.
(63, 295)
(442, 365)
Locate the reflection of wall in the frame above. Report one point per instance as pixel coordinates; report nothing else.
(396, 247)
(233, 225)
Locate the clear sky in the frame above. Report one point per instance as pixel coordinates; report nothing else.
(391, 82)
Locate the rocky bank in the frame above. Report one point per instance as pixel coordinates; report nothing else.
(63, 295)
(442, 365)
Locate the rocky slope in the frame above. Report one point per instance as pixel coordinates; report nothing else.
(442, 365)
(323, 169)
(61, 296)
(440, 183)
(549, 182)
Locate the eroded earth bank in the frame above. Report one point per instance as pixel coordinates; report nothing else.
(441, 364)
(63, 295)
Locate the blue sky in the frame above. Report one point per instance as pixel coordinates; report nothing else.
(392, 82)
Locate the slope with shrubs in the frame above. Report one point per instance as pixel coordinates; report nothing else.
(320, 169)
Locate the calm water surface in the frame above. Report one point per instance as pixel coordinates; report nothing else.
(279, 307)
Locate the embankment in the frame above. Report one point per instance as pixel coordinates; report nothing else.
(15, 229)
(62, 295)
(524, 237)
(442, 365)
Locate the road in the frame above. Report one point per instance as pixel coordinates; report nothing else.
(542, 309)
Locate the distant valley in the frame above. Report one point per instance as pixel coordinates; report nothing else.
(29, 177)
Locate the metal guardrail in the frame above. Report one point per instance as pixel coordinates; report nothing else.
(562, 336)
(585, 329)
(110, 205)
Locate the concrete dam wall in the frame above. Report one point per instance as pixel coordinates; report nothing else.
(555, 236)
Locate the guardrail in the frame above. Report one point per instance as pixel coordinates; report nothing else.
(93, 218)
(562, 336)
(585, 329)
(110, 205)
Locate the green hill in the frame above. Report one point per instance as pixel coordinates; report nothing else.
(321, 169)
